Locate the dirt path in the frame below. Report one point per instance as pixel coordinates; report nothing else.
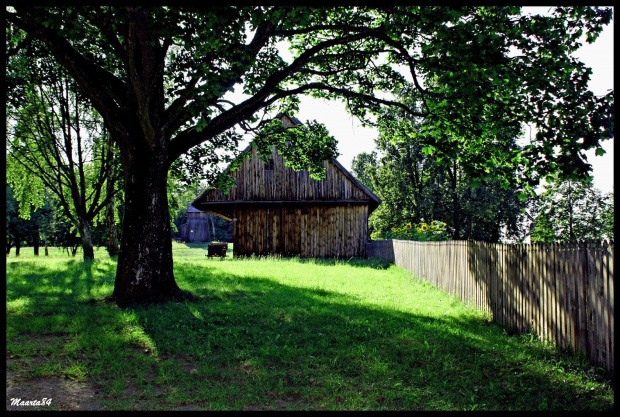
(64, 394)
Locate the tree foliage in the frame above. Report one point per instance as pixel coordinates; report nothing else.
(569, 211)
(55, 140)
(488, 74)
(491, 68)
(415, 188)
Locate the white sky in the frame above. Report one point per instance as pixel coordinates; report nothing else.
(353, 138)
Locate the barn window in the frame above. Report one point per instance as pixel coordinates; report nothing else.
(269, 165)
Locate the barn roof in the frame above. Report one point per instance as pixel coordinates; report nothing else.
(374, 201)
(192, 209)
(293, 119)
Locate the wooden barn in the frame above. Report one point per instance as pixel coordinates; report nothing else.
(277, 210)
(197, 227)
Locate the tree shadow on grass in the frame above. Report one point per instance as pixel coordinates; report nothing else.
(253, 343)
(272, 344)
(53, 329)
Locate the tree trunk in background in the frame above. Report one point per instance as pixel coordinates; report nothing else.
(112, 238)
(36, 241)
(212, 226)
(456, 221)
(467, 228)
(87, 241)
(144, 272)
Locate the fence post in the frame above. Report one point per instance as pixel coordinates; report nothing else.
(610, 304)
(600, 309)
(604, 271)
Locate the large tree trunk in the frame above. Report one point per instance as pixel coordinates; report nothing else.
(144, 273)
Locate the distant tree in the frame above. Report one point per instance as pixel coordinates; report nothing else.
(112, 187)
(569, 211)
(362, 165)
(17, 228)
(415, 188)
(57, 141)
(62, 234)
(607, 217)
(30, 228)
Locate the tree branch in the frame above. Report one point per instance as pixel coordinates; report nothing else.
(345, 93)
(20, 45)
(105, 90)
(191, 137)
(105, 26)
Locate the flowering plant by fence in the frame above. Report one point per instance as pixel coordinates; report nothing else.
(433, 231)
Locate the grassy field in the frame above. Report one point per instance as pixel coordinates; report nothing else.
(273, 333)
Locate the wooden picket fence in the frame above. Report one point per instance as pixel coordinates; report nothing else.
(563, 293)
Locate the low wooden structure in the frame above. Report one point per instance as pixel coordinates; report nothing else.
(197, 227)
(217, 249)
(277, 210)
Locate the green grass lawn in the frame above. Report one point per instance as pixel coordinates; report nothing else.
(274, 333)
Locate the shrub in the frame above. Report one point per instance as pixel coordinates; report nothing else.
(434, 231)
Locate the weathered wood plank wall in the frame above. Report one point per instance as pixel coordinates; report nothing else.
(196, 229)
(254, 183)
(305, 230)
(564, 293)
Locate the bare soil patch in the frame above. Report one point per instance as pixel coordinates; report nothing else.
(65, 394)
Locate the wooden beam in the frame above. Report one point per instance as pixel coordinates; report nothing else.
(285, 202)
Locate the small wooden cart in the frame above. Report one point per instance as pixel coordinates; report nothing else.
(217, 249)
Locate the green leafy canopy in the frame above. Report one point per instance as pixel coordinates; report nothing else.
(476, 73)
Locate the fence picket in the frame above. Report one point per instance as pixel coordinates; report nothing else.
(527, 267)
(560, 294)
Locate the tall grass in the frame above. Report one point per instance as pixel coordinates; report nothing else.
(280, 333)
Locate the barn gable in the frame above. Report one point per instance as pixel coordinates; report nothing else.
(258, 182)
(280, 210)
